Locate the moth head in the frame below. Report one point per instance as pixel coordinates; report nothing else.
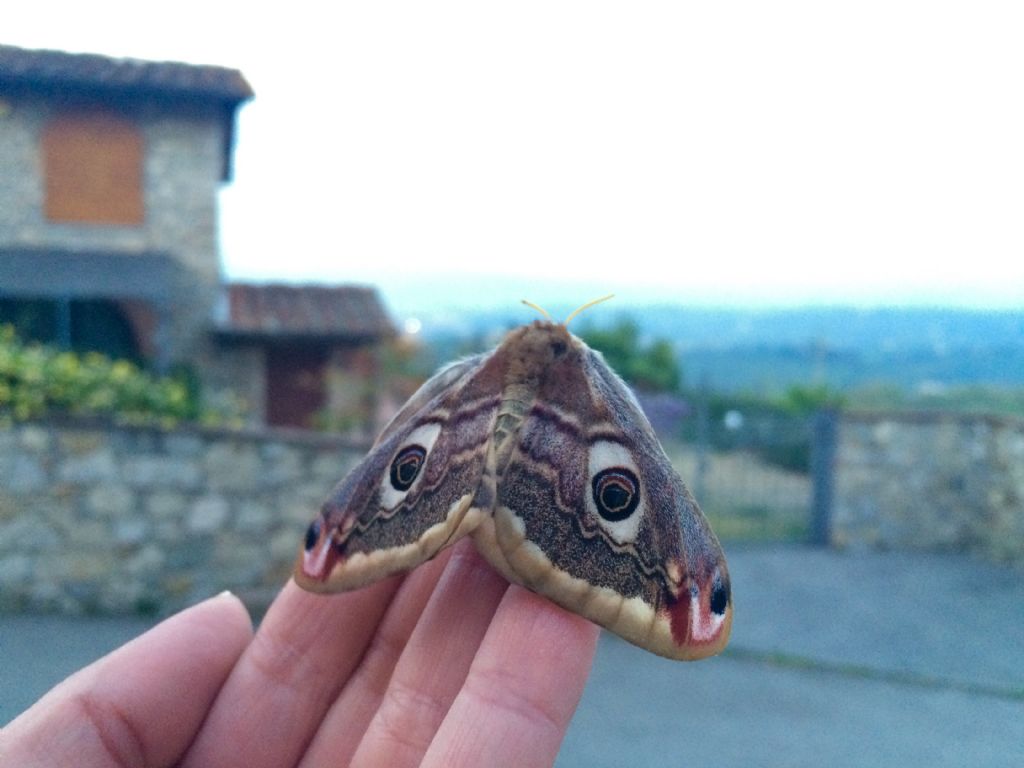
(540, 346)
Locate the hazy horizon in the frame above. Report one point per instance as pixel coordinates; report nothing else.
(435, 297)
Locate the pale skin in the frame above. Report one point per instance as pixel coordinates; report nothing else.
(446, 666)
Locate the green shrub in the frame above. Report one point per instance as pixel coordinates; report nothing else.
(651, 366)
(38, 380)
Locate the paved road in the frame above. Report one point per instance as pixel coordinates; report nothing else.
(877, 659)
(866, 659)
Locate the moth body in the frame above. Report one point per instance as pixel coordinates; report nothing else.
(540, 453)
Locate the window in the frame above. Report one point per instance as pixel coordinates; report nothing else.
(92, 163)
(83, 325)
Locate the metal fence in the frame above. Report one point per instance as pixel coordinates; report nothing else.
(758, 474)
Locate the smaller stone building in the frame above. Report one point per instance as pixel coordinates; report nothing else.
(304, 355)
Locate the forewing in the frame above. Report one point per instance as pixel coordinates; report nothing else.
(412, 494)
(591, 514)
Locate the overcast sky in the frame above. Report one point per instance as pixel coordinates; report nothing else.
(739, 152)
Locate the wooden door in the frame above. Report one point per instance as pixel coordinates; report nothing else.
(296, 390)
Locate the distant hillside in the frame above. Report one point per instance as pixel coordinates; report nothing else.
(869, 330)
(734, 349)
(774, 368)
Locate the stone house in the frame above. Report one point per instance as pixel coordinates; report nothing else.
(109, 175)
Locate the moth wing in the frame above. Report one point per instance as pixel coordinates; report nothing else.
(413, 492)
(591, 514)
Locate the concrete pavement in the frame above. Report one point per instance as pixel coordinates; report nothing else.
(837, 659)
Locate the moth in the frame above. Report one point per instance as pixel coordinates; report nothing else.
(542, 455)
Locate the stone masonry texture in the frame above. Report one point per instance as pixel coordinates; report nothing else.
(96, 518)
(938, 482)
(103, 519)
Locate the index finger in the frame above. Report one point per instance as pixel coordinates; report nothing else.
(304, 650)
(522, 689)
(307, 648)
(141, 704)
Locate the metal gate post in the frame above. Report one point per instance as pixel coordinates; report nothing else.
(823, 459)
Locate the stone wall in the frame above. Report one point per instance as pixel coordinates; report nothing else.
(101, 519)
(931, 481)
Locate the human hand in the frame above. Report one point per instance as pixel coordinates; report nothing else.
(446, 666)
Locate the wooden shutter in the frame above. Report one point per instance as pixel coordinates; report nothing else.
(93, 169)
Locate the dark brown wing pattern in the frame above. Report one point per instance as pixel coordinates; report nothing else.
(542, 454)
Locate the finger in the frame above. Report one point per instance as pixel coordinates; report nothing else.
(344, 725)
(521, 690)
(434, 664)
(304, 650)
(141, 704)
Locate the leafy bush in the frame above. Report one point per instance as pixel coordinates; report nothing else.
(38, 380)
(651, 366)
(808, 399)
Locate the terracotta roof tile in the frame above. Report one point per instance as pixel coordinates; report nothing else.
(312, 311)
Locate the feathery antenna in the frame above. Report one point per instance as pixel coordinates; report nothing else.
(588, 305)
(543, 311)
(573, 314)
